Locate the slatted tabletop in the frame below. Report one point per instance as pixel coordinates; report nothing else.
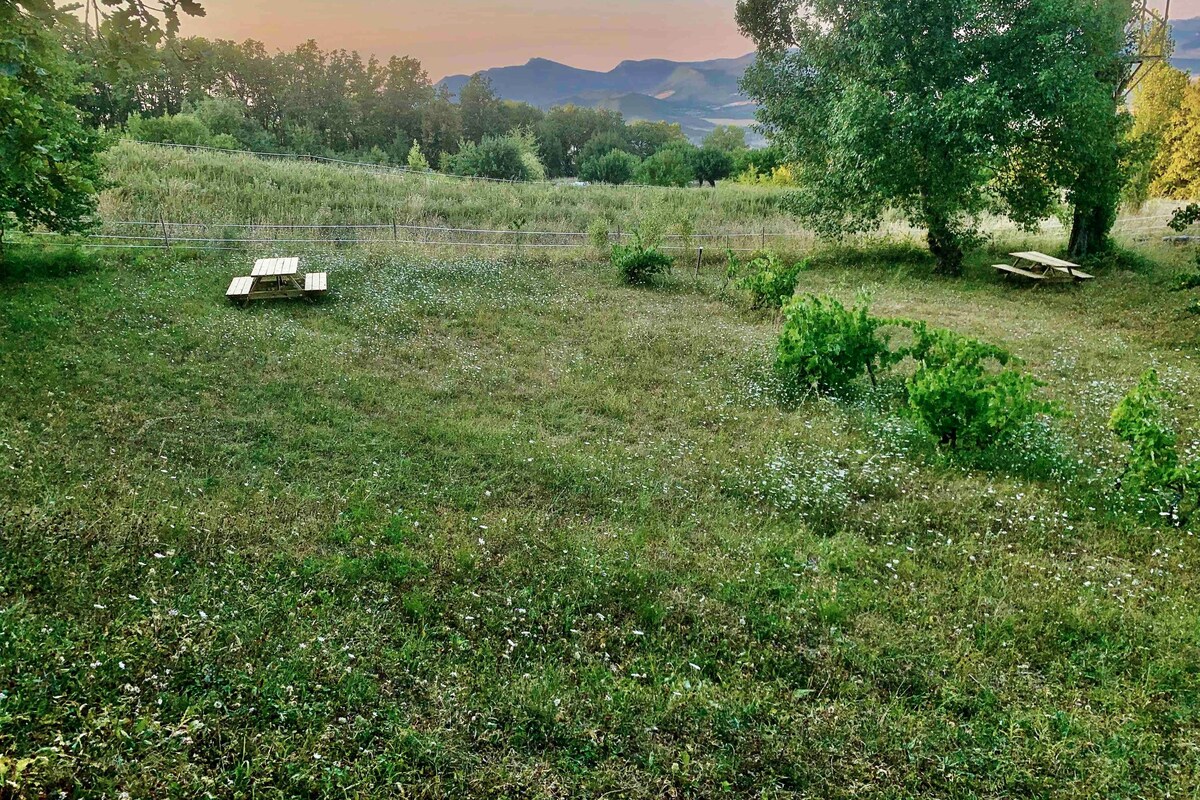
(1042, 258)
(267, 267)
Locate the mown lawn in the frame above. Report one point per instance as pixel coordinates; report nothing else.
(506, 528)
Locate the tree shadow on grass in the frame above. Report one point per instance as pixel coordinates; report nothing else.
(31, 263)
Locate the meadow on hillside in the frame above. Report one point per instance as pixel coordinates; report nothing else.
(225, 199)
(500, 525)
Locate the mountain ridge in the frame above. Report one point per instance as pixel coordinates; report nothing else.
(698, 95)
(695, 94)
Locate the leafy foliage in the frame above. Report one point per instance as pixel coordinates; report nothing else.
(510, 158)
(943, 125)
(1185, 217)
(769, 281)
(615, 167)
(49, 172)
(638, 263)
(671, 166)
(647, 138)
(729, 139)
(1178, 173)
(825, 347)
(416, 160)
(1154, 466)
(711, 165)
(601, 145)
(959, 395)
(170, 128)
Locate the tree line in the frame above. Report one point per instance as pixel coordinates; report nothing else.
(308, 100)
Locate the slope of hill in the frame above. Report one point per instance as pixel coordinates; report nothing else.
(693, 94)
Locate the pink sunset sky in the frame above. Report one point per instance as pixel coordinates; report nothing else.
(451, 36)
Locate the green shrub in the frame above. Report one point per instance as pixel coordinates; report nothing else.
(769, 281)
(225, 141)
(499, 157)
(671, 166)
(711, 165)
(615, 167)
(637, 263)
(965, 392)
(169, 129)
(1154, 466)
(602, 144)
(416, 160)
(825, 346)
(598, 234)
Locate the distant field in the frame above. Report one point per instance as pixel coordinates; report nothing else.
(217, 192)
(500, 526)
(187, 186)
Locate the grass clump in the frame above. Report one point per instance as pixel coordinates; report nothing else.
(768, 281)
(638, 263)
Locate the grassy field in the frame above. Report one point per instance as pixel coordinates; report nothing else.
(501, 527)
(213, 194)
(218, 188)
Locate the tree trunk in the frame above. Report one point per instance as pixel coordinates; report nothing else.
(1089, 231)
(945, 245)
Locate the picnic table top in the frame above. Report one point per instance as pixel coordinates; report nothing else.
(1043, 259)
(265, 267)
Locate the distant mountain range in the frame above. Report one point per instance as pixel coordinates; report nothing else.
(697, 94)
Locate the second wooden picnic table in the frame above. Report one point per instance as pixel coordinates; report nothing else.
(1041, 267)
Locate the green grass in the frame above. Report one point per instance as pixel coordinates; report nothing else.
(505, 527)
(187, 186)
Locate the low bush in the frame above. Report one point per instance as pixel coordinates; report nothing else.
(169, 129)
(965, 392)
(769, 282)
(671, 166)
(510, 158)
(637, 263)
(615, 167)
(1154, 467)
(825, 346)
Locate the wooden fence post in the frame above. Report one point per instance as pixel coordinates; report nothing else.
(699, 258)
(163, 224)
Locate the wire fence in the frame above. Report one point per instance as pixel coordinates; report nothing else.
(163, 234)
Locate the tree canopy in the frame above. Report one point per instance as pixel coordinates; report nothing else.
(969, 106)
(49, 172)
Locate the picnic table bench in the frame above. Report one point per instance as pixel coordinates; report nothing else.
(276, 277)
(1041, 267)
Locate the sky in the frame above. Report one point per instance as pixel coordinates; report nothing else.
(453, 36)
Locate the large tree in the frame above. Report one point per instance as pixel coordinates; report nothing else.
(49, 171)
(48, 168)
(942, 109)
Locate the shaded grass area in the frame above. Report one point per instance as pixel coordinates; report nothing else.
(506, 528)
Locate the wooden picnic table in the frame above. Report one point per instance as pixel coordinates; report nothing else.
(1041, 267)
(276, 277)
